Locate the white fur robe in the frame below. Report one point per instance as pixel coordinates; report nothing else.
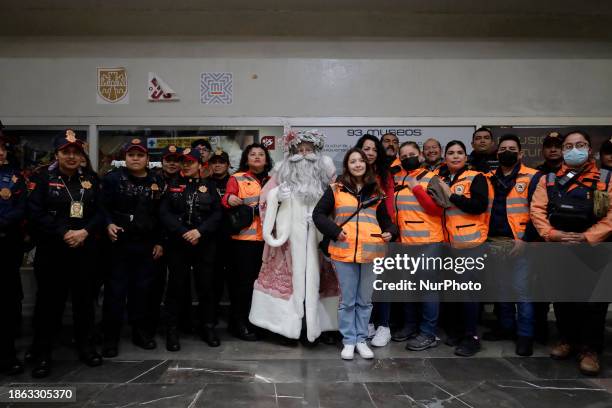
(283, 314)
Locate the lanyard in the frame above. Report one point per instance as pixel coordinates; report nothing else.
(68, 191)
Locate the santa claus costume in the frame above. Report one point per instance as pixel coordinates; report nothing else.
(295, 281)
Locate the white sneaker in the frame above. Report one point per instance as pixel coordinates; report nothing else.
(371, 331)
(382, 337)
(364, 351)
(348, 352)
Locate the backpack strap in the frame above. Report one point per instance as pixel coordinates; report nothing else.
(604, 176)
(422, 174)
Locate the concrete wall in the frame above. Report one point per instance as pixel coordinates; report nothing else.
(417, 82)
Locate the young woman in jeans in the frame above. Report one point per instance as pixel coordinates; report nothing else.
(378, 329)
(363, 236)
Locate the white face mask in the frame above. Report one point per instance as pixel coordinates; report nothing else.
(575, 157)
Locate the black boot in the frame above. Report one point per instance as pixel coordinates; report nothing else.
(28, 357)
(242, 330)
(90, 356)
(42, 368)
(499, 334)
(142, 339)
(524, 346)
(172, 339)
(209, 335)
(110, 347)
(12, 366)
(328, 338)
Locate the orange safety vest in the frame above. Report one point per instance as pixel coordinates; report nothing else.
(415, 225)
(360, 246)
(463, 229)
(397, 177)
(249, 190)
(517, 203)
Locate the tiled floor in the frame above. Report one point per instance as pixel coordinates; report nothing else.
(269, 374)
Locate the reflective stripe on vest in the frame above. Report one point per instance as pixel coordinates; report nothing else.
(517, 202)
(360, 246)
(249, 190)
(464, 228)
(415, 225)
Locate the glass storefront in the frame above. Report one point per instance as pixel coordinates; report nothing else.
(34, 144)
(230, 139)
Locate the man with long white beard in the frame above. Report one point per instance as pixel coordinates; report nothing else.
(294, 280)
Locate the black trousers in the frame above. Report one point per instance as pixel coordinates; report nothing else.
(222, 268)
(540, 314)
(61, 271)
(130, 279)
(158, 287)
(582, 324)
(246, 263)
(11, 293)
(183, 258)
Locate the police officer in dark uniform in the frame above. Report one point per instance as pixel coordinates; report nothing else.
(130, 200)
(12, 212)
(219, 165)
(552, 154)
(205, 148)
(64, 216)
(484, 156)
(170, 170)
(191, 212)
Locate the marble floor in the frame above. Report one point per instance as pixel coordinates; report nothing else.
(270, 374)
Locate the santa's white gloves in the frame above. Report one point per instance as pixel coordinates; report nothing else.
(284, 192)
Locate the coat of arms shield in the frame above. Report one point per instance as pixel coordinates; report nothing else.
(112, 85)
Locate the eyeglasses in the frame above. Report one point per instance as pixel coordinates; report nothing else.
(579, 145)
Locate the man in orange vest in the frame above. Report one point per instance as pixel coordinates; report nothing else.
(557, 218)
(432, 153)
(509, 218)
(391, 143)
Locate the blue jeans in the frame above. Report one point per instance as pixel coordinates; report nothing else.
(422, 316)
(355, 307)
(522, 317)
(381, 314)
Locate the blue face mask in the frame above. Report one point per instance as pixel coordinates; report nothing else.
(575, 157)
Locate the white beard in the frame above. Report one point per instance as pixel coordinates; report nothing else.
(306, 176)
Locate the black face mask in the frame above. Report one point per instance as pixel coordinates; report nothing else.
(411, 163)
(507, 158)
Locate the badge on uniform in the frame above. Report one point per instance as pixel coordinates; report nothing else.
(5, 193)
(76, 209)
(71, 136)
(154, 187)
(202, 189)
(459, 190)
(86, 184)
(520, 187)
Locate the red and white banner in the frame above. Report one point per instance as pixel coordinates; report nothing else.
(159, 90)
